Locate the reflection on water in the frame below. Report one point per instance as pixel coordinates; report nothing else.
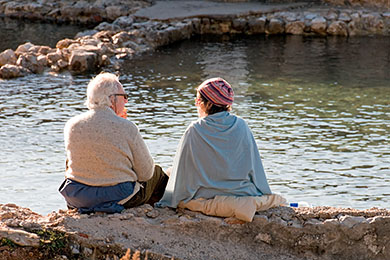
(318, 108)
(16, 32)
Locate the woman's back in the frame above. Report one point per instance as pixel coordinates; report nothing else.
(217, 156)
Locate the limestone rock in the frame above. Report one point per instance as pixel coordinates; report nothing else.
(74, 11)
(42, 60)
(372, 23)
(13, 8)
(9, 71)
(345, 17)
(239, 24)
(331, 15)
(107, 49)
(309, 15)
(123, 53)
(64, 43)
(24, 47)
(121, 37)
(104, 26)
(186, 29)
(292, 17)
(7, 57)
(115, 11)
(45, 50)
(295, 27)
(171, 34)
(355, 26)
(104, 36)
(90, 40)
(264, 237)
(132, 45)
(83, 61)
(338, 28)
(318, 25)
(350, 221)
(89, 48)
(53, 57)
(62, 64)
(20, 237)
(34, 49)
(275, 26)
(30, 62)
(124, 21)
(196, 25)
(85, 33)
(256, 25)
(225, 27)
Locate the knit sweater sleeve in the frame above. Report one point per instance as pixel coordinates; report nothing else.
(143, 163)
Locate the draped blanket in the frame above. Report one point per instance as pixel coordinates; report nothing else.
(242, 208)
(217, 156)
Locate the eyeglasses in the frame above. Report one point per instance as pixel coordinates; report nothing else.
(125, 96)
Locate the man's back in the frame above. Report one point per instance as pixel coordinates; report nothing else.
(104, 149)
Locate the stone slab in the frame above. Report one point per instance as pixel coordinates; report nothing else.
(171, 10)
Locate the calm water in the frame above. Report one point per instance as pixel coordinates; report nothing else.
(14, 32)
(319, 109)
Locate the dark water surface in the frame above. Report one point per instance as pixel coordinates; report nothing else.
(14, 32)
(318, 107)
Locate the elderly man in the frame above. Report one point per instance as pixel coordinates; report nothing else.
(109, 166)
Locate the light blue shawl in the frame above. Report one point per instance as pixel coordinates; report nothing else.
(217, 155)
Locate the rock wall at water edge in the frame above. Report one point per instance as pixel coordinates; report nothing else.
(65, 11)
(110, 43)
(151, 233)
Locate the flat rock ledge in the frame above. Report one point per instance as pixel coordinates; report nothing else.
(110, 43)
(69, 11)
(154, 233)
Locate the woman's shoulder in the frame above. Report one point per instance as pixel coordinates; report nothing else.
(238, 119)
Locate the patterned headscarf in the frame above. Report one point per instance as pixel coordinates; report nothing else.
(218, 91)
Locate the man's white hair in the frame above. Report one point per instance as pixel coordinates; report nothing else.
(100, 89)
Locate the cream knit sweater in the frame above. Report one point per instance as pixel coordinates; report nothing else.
(103, 149)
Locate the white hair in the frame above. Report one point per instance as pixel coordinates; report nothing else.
(100, 89)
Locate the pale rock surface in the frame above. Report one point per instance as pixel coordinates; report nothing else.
(10, 71)
(275, 26)
(257, 25)
(82, 61)
(124, 21)
(20, 237)
(53, 57)
(104, 26)
(30, 62)
(24, 47)
(295, 27)
(65, 43)
(338, 28)
(7, 57)
(239, 24)
(319, 25)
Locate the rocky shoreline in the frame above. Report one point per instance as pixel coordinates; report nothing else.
(123, 34)
(79, 12)
(153, 233)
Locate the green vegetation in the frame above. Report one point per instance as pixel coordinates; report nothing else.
(52, 242)
(7, 242)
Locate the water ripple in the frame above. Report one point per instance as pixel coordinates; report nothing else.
(321, 124)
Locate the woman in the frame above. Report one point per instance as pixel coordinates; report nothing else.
(217, 156)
